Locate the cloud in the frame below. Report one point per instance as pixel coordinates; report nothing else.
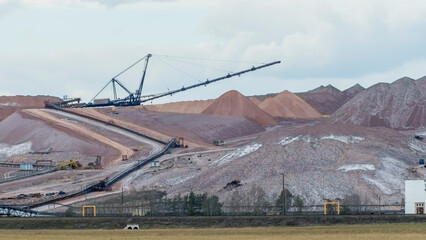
(89, 3)
(320, 38)
(75, 46)
(9, 6)
(114, 3)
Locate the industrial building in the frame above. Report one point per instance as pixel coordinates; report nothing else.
(415, 196)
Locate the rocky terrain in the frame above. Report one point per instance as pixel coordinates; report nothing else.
(328, 99)
(190, 107)
(200, 129)
(368, 146)
(320, 161)
(399, 105)
(11, 104)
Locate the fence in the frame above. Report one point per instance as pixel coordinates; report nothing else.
(26, 174)
(163, 209)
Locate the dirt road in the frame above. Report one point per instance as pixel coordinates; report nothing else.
(44, 114)
(156, 147)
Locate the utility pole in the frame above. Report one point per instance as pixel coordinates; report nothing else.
(284, 197)
(122, 197)
(380, 207)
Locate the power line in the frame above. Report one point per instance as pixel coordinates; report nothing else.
(177, 69)
(212, 60)
(204, 66)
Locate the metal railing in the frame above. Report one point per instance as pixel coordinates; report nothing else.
(165, 209)
(103, 185)
(28, 174)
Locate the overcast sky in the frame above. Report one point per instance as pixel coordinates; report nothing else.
(73, 47)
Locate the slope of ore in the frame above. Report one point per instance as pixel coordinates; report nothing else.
(421, 82)
(6, 112)
(288, 105)
(194, 128)
(399, 105)
(353, 91)
(10, 104)
(191, 107)
(255, 100)
(26, 101)
(21, 128)
(233, 103)
(320, 161)
(326, 99)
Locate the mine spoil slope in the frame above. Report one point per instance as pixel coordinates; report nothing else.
(328, 99)
(353, 91)
(322, 161)
(21, 128)
(288, 105)
(399, 105)
(26, 101)
(195, 128)
(190, 107)
(10, 104)
(233, 103)
(255, 100)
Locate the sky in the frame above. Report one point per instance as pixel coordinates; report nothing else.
(74, 47)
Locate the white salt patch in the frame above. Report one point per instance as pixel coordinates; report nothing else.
(288, 139)
(380, 184)
(308, 139)
(239, 152)
(390, 178)
(417, 146)
(11, 150)
(177, 180)
(8, 104)
(344, 139)
(70, 120)
(357, 167)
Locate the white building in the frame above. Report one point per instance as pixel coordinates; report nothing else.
(26, 167)
(415, 196)
(155, 164)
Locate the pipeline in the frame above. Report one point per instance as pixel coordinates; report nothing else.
(31, 174)
(20, 212)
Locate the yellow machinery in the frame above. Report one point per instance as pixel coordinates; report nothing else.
(71, 164)
(85, 212)
(331, 203)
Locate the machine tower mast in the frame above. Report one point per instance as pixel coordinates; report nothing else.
(136, 98)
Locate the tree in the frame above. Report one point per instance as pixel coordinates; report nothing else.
(190, 204)
(256, 197)
(235, 202)
(201, 204)
(175, 205)
(288, 199)
(351, 203)
(70, 212)
(298, 203)
(212, 206)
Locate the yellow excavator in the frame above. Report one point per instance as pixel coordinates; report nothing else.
(71, 164)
